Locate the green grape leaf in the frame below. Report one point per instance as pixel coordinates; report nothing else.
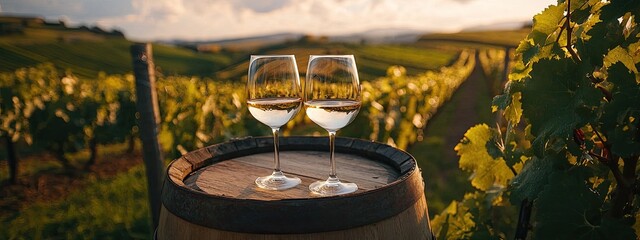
(540, 43)
(510, 102)
(575, 4)
(474, 218)
(545, 23)
(619, 54)
(501, 101)
(618, 8)
(513, 112)
(528, 50)
(519, 71)
(531, 179)
(634, 50)
(620, 117)
(592, 49)
(570, 209)
(579, 16)
(474, 157)
(481, 207)
(557, 98)
(455, 222)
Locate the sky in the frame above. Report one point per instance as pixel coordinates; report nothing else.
(220, 19)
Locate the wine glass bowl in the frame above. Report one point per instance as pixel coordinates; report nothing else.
(332, 100)
(274, 112)
(332, 115)
(273, 98)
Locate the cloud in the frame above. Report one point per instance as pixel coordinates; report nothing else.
(214, 19)
(159, 10)
(82, 11)
(463, 1)
(263, 6)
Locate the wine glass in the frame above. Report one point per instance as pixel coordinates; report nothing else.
(274, 97)
(332, 100)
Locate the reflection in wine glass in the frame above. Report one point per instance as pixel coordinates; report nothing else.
(274, 97)
(332, 100)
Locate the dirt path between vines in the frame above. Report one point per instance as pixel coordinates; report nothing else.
(466, 109)
(468, 106)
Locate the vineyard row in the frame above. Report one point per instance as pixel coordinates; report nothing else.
(59, 113)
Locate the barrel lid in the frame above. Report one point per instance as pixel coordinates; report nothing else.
(294, 212)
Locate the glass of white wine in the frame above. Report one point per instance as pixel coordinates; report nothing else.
(274, 96)
(332, 100)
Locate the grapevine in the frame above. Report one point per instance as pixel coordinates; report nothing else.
(61, 113)
(399, 106)
(570, 143)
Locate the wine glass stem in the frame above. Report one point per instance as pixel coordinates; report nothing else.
(332, 160)
(276, 153)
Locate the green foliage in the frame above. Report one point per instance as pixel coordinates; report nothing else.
(197, 113)
(488, 170)
(572, 132)
(560, 99)
(620, 117)
(398, 106)
(480, 215)
(106, 209)
(65, 113)
(455, 222)
(528, 186)
(571, 209)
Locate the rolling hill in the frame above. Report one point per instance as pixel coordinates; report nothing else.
(87, 51)
(372, 60)
(479, 39)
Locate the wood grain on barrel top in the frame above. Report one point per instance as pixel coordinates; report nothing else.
(235, 177)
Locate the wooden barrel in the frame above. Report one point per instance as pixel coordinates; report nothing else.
(210, 193)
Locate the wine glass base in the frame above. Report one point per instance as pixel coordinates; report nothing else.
(332, 187)
(277, 181)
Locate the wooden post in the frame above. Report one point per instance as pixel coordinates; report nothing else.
(12, 159)
(507, 60)
(147, 106)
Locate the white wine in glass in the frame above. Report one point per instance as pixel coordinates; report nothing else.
(274, 97)
(332, 100)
